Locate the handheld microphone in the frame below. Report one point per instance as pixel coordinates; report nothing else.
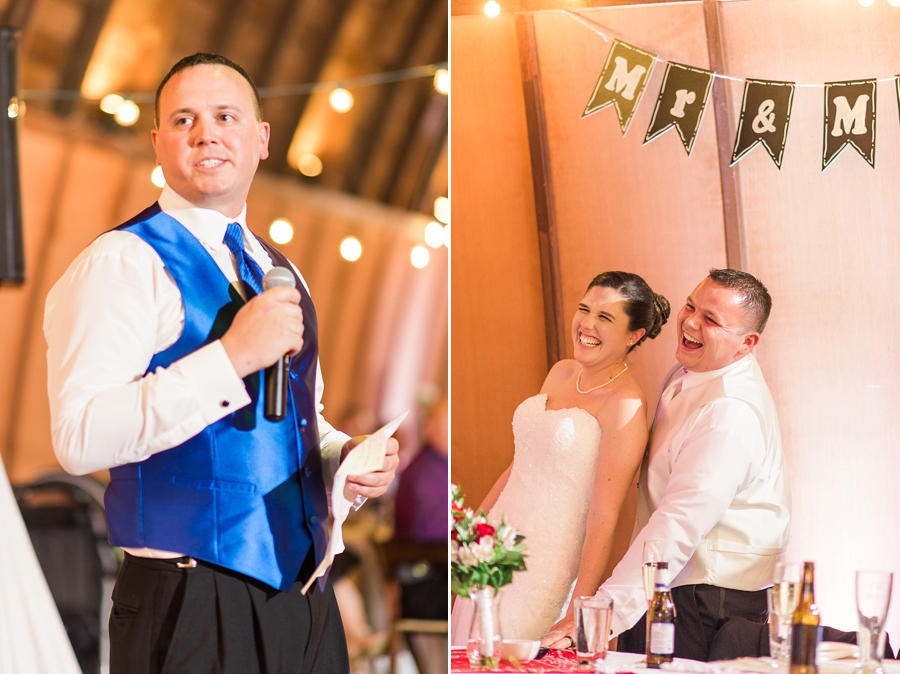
(275, 402)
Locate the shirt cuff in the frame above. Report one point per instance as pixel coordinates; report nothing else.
(219, 389)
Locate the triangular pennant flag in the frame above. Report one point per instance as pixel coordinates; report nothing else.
(765, 115)
(622, 81)
(849, 119)
(682, 100)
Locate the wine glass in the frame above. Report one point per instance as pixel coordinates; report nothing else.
(652, 557)
(783, 597)
(873, 596)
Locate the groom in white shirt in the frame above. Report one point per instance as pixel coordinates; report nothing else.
(713, 487)
(156, 335)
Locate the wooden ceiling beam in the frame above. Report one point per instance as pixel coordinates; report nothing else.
(18, 13)
(407, 52)
(94, 14)
(314, 25)
(469, 7)
(222, 33)
(419, 162)
(396, 117)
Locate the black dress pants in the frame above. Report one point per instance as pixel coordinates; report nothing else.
(210, 620)
(700, 612)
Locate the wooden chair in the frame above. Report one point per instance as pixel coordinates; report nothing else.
(400, 557)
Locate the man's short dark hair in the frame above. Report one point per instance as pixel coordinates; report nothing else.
(756, 299)
(207, 59)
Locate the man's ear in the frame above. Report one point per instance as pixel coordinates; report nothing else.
(751, 339)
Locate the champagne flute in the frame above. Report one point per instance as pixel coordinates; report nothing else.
(873, 596)
(783, 598)
(652, 557)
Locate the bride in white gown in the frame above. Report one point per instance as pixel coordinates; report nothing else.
(578, 446)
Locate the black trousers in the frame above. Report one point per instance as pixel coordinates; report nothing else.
(700, 612)
(210, 620)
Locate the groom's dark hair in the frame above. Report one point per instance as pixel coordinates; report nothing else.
(756, 299)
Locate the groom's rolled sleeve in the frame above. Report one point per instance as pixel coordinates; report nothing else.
(710, 460)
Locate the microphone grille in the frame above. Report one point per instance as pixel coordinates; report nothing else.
(277, 277)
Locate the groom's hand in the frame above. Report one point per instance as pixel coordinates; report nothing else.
(561, 635)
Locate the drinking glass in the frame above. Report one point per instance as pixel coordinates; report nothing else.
(593, 616)
(652, 557)
(782, 599)
(873, 596)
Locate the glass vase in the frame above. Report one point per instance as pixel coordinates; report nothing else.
(483, 646)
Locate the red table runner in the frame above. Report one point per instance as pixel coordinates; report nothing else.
(554, 661)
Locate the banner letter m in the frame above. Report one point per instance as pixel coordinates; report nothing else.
(623, 81)
(852, 120)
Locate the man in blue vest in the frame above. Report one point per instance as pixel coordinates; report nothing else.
(157, 335)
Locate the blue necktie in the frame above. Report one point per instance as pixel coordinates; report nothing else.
(248, 269)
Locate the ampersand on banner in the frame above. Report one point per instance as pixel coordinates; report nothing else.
(769, 126)
(763, 122)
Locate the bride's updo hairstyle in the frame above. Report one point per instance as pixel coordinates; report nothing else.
(645, 308)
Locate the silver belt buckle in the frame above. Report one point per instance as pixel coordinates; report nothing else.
(189, 564)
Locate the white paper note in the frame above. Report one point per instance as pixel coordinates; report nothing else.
(366, 457)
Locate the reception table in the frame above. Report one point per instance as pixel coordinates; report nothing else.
(557, 661)
(563, 662)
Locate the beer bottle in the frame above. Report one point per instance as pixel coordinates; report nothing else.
(661, 621)
(805, 629)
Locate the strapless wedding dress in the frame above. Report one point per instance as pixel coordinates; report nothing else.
(546, 499)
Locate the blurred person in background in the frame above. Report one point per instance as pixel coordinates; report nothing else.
(421, 516)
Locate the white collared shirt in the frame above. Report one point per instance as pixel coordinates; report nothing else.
(714, 489)
(113, 309)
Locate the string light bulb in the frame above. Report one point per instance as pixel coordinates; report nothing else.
(351, 249)
(492, 9)
(128, 113)
(867, 3)
(447, 235)
(894, 3)
(340, 100)
(309, 165)
(442, 209)
(157, 177)
(111, 103)
(281, 231)
(419, 257)
(434, 234)
(15, 108)
(442, 80)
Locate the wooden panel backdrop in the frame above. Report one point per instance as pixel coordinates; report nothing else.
(826, 244)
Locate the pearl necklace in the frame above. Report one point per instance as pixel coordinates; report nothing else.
(612, 379)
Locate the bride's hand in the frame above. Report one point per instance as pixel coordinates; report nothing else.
(561, 635)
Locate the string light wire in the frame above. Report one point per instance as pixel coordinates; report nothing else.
(599, 30)
(280, 91)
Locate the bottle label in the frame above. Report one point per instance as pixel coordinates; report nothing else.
(804, 641)
(662, 638)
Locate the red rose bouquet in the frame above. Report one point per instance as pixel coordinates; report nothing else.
(482, 554)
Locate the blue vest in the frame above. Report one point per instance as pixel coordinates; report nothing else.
(245, 493)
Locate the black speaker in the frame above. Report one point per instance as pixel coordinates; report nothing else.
(12, 254)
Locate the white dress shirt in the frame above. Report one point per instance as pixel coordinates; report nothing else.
(714, 488)
(113, 309)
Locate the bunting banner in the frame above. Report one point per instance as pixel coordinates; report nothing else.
(765, 116)
(682, 100)
(622, 82)
(766, 108)
(849, 120)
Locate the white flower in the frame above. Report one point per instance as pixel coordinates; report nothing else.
(507, 537)
(467, 557)
(484, 549)
(454, 549)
